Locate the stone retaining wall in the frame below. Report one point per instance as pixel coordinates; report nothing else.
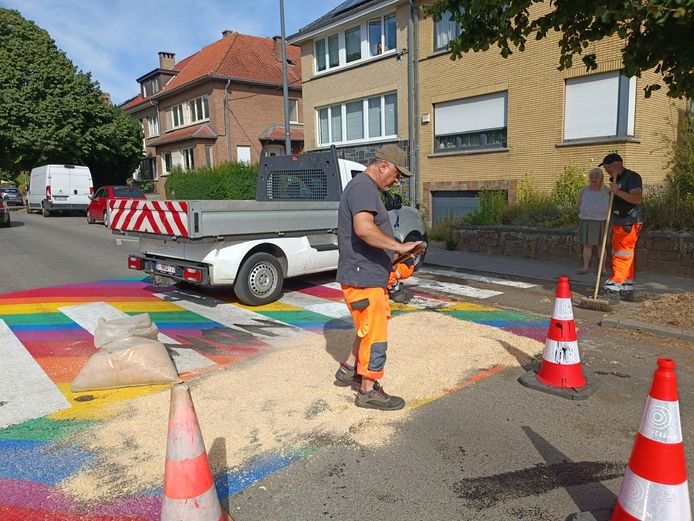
(664, 252)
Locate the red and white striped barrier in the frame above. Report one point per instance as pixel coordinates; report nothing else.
(655, 482)
(160, 217)
(189, 492)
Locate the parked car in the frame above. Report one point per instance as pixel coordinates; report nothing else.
(11, 196)
(4, 214)
(96, 211)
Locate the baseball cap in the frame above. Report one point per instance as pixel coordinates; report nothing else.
(611, 158)
(396, 155)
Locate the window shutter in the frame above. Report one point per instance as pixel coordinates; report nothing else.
(470, 114)
(591, 106)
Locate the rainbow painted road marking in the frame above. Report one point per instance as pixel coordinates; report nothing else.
(46, 338)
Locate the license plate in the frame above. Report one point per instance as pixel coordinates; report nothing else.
(165, 268)
(61, 197)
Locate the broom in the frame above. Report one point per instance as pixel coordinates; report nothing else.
(596, 303)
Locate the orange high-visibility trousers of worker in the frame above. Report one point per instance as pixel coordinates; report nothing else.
(370, 310)
(624, 239)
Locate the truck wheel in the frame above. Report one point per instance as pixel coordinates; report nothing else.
(416, 236)
(45, 211)
(28, 208)
(259, 280)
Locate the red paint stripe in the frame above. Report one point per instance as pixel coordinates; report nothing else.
(619, 514)
(188, 478)
(561, 375)
(12, 513)
(140, 219)
(562, 330)
(477, 378)
(661, 463)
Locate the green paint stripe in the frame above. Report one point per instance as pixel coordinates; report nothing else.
(43, 429)
(36, 319)
(176, 316)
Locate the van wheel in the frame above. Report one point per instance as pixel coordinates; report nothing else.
(259, 280)
(45, 211)
(28, 208)
(105, 219)
(416, 236)
(90, 219)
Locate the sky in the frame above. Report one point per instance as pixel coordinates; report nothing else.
(117, 41)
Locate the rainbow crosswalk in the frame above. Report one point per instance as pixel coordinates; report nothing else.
(46, 338)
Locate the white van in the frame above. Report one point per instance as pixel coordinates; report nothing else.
(59, 187)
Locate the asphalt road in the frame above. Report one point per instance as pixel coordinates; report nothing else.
(494, 450)
(39, 251)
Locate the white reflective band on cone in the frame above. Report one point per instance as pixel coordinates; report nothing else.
(564, 353)
(648, 501)
(661, 421)
(563, 309)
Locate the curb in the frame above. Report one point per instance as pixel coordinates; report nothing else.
(621, 320)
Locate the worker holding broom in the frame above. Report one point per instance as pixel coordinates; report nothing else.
(626, 218)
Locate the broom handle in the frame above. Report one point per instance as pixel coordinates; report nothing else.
(602, 248)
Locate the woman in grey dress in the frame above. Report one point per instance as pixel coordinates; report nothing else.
(592, 204)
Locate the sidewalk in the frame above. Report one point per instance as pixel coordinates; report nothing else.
(548, 272)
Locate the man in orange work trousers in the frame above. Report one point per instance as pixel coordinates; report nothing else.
(367, 250)
(627, 188)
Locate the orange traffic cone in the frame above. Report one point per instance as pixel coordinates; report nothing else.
(655, 482)
(561, 372)
(189, 492)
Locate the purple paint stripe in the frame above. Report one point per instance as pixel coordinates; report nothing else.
(528, 332)
(53, 335)
(28, 494)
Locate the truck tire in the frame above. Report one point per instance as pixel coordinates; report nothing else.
(28, 208)
(416, 236)
(259, 280)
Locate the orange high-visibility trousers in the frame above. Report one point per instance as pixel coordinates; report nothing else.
(370, 309)
(624, 239)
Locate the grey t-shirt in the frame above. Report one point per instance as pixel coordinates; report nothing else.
(625, 213)
(361, 265)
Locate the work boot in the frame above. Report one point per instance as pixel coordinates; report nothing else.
(348, 375)
(627, 296)
(612, 297)
(379, 399)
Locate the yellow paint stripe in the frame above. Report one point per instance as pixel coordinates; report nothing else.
(467, 306)
(275, 306)
(146, 307)
(402, 307)
(30, 309)
(100, 406)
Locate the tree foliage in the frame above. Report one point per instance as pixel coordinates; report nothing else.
(50, 112)
(657, 34)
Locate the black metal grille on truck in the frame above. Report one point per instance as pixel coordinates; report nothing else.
(287, 185)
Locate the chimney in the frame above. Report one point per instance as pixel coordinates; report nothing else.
(167, 60)
(227, 32)
(277, 47)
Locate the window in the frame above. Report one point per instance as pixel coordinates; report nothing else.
(470, 123)
(320, 55)
(153, 123)
(294, 111)
(177, 116)
(208, 155)
(370, 118)
(188, 158)
(601, 105)
(445, 30)
(150, 87)
(243, 154)
(353, 44)
(369, 39)
(168, 162)
(199, 109)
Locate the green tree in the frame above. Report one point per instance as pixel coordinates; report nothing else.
(657, 34)
(50, 112)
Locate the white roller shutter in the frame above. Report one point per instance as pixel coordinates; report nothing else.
(470, 114)
(591, 106)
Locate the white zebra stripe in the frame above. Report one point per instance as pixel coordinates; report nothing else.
(649, 501)
(563, 353)
(661, 421)
(563, 309)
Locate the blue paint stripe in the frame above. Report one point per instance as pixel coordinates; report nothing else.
(20, 444)
(46, 327)
(188, 325)
(233, 482)
(47, 463)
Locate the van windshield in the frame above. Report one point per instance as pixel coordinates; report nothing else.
(128, 191)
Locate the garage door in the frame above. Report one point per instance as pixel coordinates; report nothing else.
(450, 204)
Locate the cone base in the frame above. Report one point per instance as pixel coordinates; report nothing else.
(593, 515)
(530, 381)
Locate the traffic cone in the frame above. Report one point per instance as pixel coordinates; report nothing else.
(189, 493)
(561, 372)
(655, 482)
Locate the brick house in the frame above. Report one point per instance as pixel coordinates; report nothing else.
(481, 121)
(223, 103)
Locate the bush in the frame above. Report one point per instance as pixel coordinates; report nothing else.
(224, 181)
(537, 208)
(492, 203)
